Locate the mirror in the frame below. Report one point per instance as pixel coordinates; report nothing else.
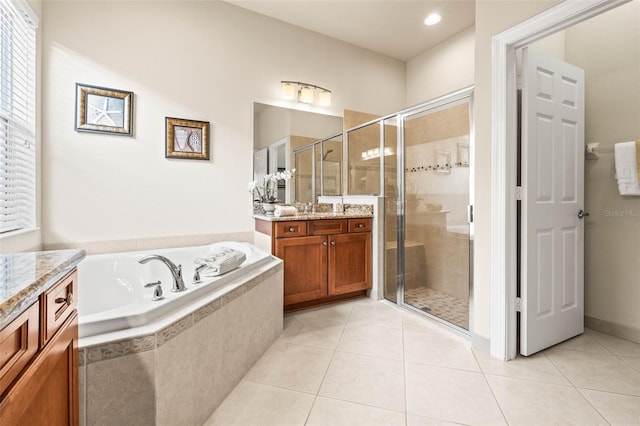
(277, 133)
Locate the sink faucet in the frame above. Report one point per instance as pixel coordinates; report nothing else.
(176, 271)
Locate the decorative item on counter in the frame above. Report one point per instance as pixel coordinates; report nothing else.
(266, 191)
(281, 210)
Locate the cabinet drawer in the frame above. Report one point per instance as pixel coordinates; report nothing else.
(56, 304)
(360, 225)
(290, 229)
(18, 344)
(327, 227)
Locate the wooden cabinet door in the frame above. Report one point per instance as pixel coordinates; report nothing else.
(349, 263)
(305, 267)
(47, 392)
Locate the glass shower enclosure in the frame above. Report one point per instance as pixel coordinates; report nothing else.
(420, 160)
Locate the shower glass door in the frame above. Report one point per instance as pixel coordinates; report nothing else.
(435, 228)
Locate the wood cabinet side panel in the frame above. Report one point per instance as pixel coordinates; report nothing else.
(18, 345)
(47, 391)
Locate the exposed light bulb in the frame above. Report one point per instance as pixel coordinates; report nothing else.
(432, 19)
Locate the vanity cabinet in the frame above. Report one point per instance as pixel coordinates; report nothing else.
(324, 260)
(39, 360)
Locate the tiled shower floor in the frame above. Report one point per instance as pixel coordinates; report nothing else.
(442, 305)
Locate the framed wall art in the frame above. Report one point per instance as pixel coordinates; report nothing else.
(103, 110)
(187, 139)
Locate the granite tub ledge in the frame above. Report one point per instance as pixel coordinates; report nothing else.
(27, 275)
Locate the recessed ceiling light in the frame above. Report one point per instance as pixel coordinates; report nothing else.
(432, 19)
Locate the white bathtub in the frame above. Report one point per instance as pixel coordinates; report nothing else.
(112, 293)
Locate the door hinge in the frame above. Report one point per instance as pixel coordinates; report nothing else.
(519, 193)
(518, 304)
(519, 82)
(470, 213)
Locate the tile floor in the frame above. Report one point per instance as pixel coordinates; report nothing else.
(370, 363)
(440, 304)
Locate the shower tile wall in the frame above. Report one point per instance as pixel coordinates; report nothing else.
(436, 220)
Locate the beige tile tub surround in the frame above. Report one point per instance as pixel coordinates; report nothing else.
(181, 373)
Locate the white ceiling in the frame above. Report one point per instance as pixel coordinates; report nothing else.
(393, 28)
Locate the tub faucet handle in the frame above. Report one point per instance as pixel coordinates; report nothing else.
(157, 293)
(196, 273)
(152, 284)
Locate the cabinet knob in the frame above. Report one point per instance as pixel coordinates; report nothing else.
(361, 225)
(68, 299)
(333, 243)
(324, 243)
(292, 229)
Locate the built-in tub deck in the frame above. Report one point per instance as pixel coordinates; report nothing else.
(173, 361)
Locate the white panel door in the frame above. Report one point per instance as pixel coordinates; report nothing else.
(260, 166)
(552, 234)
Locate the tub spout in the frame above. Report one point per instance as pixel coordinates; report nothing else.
(176, 271)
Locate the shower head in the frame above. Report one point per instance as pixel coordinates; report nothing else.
(329, 151)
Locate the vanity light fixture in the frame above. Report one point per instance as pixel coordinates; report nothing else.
(432, 19)
(305, 92)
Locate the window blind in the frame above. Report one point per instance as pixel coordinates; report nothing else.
(17, 116)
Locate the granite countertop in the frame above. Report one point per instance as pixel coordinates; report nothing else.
(27, 275)
(313, 216)
(323, 211)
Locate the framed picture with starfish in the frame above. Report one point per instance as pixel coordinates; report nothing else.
(103, 110)
(187, 139)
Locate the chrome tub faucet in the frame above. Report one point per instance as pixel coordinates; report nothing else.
(176, 271)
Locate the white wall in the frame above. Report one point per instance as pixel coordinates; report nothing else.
(442, 69)
(198, 60)
(492, 17)
(607, 47)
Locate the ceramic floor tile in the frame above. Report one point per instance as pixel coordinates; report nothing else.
(371, 340)
(526, 402)
(583, 342)
(289, 366)
(632, 361)
(450, 395)
(536, 367)
(380, 313)
(334, 412)
(411, 322)
(335, 312)
(316, 332)
(439, 350)
(256, 404)
(413, 420)
(605, 372)
(616, 345)
(617, 409)
(367, 380)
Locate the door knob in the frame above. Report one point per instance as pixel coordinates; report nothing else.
(582, 213)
